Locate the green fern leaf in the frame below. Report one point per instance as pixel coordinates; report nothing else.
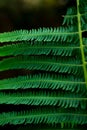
(45, 34)
(44, 99)
(35, 49)
(56, 92)
(50, 82)
(38, 117)
(37, 64)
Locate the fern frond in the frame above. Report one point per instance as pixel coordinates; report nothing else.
(44, 98)
(60, 54)
(40, 64)
(71, 17)
(53, 117)
(68, 83)
(57, 34)
(70, 20)
(29, 49)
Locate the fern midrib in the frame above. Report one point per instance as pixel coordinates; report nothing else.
(81, 41)
(82, 14)
(41, 115)
(42, 62)
(35, 47)
(26, 64)
(50, 98)
(40, 34)
(9, 50)
(45, 80)
(39, 80)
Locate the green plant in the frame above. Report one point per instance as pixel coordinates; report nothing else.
(57, 93)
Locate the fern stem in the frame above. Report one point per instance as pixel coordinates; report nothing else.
(81, 41)
(75, 15)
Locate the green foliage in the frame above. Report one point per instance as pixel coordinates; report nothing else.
(47, 116)
(57, 92)
(45, 81)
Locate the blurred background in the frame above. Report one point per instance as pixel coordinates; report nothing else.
(28, 14)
